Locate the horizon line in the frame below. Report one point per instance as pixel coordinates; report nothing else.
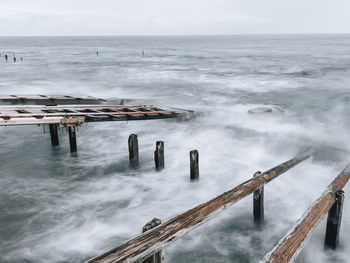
(178, 35)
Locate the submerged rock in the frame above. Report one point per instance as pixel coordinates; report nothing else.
(266, 110)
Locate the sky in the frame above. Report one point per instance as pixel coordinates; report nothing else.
(173, 17)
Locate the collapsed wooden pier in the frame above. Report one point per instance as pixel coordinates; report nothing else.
(156, 239)
(75, 115)
(49, 100)
(148, 247)
(71, 116)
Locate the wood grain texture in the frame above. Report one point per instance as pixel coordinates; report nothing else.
(289, 246)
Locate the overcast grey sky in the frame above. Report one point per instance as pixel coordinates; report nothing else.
(168, 17)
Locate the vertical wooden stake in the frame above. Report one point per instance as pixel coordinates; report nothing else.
(159, 256)
(72, 139)
(133, 150)
(333, 221)
(258, 204)
(194, 158)
(159, 155)
(54, 135)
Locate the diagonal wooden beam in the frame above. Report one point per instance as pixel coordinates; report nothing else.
(154, 240)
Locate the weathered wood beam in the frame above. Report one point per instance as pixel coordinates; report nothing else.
(258, 204)
(159, 256)
(288, 248)
(152, 241)
(334, 221)
(76, 107)
(54, 135)
(159, 155)
(133, 150)
(76, 113)
(72, 139)
(194, 165)
(61, 121)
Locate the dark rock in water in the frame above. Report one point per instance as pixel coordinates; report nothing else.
(266, 109)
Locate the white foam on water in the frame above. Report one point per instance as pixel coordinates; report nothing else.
(55, 208)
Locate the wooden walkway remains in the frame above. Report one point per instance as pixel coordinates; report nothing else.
(157, 238)
(289, 247)
(49, 100)
(76, 115)
(71, 116)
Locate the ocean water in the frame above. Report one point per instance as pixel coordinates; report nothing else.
(59, 208)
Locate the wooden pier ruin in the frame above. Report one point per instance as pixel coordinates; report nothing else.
(149, 246)
(153, 241)
(72, 116)
(48, 100)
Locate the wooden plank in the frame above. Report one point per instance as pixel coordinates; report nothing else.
(75, 107)
(159, 256)
(75, 113)
(90, 113)
(61, 121)
(289, 246)
(47, 100)
(152, 241)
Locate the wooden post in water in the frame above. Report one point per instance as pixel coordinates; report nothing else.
(159, 155)
(258, 204)
(194, 158)
(159, 256)
(152, 241)
(54, 135)
(72, 139)
(288, 248)
(133, 150)
(334, 221)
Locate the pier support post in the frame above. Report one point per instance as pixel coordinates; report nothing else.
(333, 221)
(159, 155)
(54, 135)
(194, 166)
(133, 150)
(72, 139)
(158, 257)
(258, 204)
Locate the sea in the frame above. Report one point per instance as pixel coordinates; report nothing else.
(259, 100)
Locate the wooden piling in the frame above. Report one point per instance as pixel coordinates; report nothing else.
(288, 248)
(159, 256)
(156, 239)
(159, 155)
(334, 221)
(72, 139)
(54, 135)
(133, 150)
(194, 166)
(258, 204)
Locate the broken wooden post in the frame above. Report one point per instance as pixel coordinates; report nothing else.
(133, 150)
(72, 139)
(159, 256)
(54, 135)
(258, 204)
(139, 248)
(159, 155)
(333, 221)
(194, 157)
(288, 248)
